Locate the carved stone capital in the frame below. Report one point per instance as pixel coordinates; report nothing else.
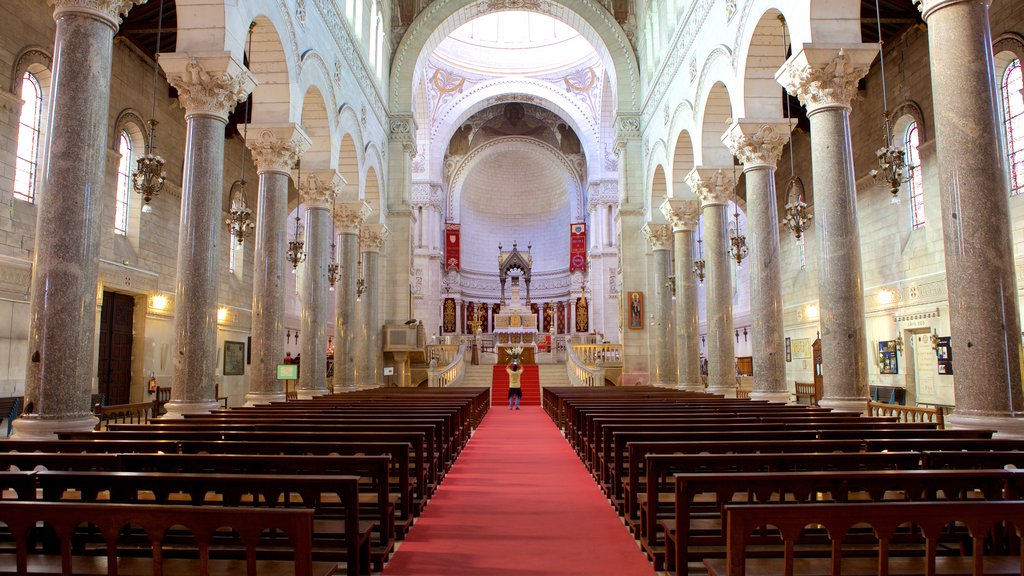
(825, 76)
(349, 216)
(208, 84)
(758, 144)
(928, 7)
(277, 148)
(658, 235)
(372, 237)
(111, 11)
(319, 188)
(713, 186)
(682, 214)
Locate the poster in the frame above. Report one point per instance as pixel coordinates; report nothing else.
(452, 247)
(636, 310)
(577, 247)
(944, 355)
(234, 358)
(887, 357)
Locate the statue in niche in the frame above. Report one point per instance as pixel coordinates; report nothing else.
(570, 143)
(514, 112)
(514, 122)
(459, 144)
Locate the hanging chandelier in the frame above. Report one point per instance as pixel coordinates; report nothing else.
(296, 247)
(737, 242)
(149, 176)
(333, 268)
(240, 220)
(698, 264)
(360, 281)
(797, 216)
(892, 166)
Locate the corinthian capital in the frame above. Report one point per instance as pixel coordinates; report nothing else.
(757, 143)
(659, 235)
(277, 148)
(372, 237)
(682, 214)
(319, 188)
(826, 76)
(349, 216)
(208, 84)
(110, 11)
(928, 7)
(713, 186)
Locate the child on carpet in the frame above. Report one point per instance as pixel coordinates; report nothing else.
(515, 392)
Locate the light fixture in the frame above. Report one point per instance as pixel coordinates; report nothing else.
(698, 264)
(159, 302)
(149, 176)
(886, 297)
(891, 162)
(360, 281)
(333, 268)
(899, 343)
(737, 242)
(222, 314)
(296, 247)
(240, 219)
(812, 311)
(797, 216)
(935, 340)
(670, 283)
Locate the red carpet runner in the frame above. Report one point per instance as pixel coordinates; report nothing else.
(529, 381)
(518, 501)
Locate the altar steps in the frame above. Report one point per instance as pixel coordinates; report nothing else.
(529, 382)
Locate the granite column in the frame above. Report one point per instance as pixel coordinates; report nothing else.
(978, 240)
(663, 371)
(208, 87)
(275, 151)
(62, 310)
(348, 216)
(317, 191)
(758, 144)
(371, 240)
(714, 187)
(684, 216)
(825, 79)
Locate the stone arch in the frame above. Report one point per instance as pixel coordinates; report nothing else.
(659, 192)
(211, 27)
(1007, 48)
(130, 121)
(715, 111)
(682, 164)
(30, 58)
(373, 191)
(762, 55)
(315, 122)
(591, 19)
(269, 64)
(904, 113)
(461, 171)
(348, 166)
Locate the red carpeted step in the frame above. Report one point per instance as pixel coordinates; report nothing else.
(529, 382)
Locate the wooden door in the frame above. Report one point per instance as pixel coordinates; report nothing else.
(115, 365)
(819, 380)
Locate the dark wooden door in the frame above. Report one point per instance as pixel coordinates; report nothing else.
(819, 380)
(115, 365)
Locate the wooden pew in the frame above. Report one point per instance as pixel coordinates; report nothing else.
(250, 525)
(929, 518)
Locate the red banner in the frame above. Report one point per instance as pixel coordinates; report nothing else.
(577, 247)
(452, 252)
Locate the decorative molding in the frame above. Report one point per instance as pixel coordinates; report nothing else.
(111, 11)
(205, 92)
(277, 149)
(677, 50)
(372, 237)
(658, 235)
(712, 186)
(757, 144)
(26, 58)
(349, 216)
(824, 77)
(682, 214)
(319, 188)
(402, 129)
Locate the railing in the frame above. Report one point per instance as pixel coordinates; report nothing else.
(585, 363)
(139, 413)
(588, 354)
(450, 374)
(444, 353)
(907, 413)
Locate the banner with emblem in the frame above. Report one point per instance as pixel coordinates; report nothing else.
(578, 247)
(452, 251)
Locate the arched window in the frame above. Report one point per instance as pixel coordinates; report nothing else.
(1012, 88)
(379, 47)
(27, 163)
(124, 179)
(915, 185)
(236, 257)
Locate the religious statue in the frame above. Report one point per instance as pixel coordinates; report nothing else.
(570, 143)
(459, 144)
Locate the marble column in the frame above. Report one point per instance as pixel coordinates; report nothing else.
(978, 239)
(62, 325)
(371, 240)
(684, 216)
(208, 87)
(348, 217)
(275, 150)
(629, 220)
(317, 191)
(663, 371)
(825, 79)
(758, 144)
(714, 187)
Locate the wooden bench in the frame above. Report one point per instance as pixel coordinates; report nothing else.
(928, 519)
(907, 413)
(807, 393)
(138, 413)
(212, 550)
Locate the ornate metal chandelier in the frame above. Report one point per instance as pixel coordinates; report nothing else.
(333, 268)
(737, 242)
(698, 264)
(296, 247)
(149, 176)
(797, 217)
(240, 220)
(892, 166)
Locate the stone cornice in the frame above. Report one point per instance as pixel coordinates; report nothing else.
(320, 187)
(372, 237)
(349, 216)
(278, 148)
(825, 76)
(757, 143)
(658, 235)
(208, 84)
(682, 214)
(713, 186)
(110, 11)
(402, 129)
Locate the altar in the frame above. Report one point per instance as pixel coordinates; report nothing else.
(516, 327)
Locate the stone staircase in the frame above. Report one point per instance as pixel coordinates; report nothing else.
(479, 376)
(553, 375)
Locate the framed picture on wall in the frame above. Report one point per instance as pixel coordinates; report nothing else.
(636, 310)
(789, 349)
(234, 358)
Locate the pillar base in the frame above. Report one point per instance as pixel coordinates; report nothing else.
(254, 398)
(177, 410)
(781, 397)
(35, 428)
(859, 405)
(691, 387)
(727, 391)
(1005, 426)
